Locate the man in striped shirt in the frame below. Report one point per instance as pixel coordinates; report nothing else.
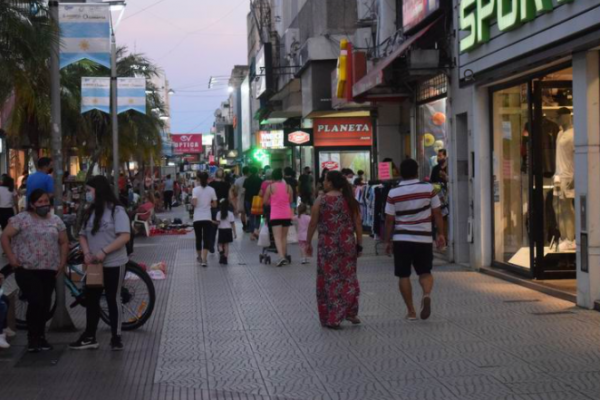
(410, 210)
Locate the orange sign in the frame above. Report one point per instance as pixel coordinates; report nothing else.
(337, 132)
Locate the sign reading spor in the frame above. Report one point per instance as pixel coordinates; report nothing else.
(189, 143)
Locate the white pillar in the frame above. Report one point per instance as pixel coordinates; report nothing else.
(481, 255)
(586, 108)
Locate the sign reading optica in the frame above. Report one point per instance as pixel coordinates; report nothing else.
(332, 132)
(476, 17)
(190, 143)
(416, 11)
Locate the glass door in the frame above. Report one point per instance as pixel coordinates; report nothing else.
(553, 214)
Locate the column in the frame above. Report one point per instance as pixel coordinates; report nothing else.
(586, 106)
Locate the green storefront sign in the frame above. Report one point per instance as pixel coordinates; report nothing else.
(476, 16)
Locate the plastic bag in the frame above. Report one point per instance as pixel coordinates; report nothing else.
(292, 236)
(257, 205)
(161, 266)
(157, 275)
(263, 238)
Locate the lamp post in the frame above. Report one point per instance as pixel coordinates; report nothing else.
(114, 6)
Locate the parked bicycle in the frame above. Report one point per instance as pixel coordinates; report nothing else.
(138, 295)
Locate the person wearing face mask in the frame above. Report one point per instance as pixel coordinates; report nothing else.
(103, 237)
(36, 245)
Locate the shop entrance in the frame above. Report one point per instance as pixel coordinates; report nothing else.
(533, 177)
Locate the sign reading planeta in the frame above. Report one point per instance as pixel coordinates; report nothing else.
(476, 17)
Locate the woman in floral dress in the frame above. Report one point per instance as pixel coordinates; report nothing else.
(337, 217)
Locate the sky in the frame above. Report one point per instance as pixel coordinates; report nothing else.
(191, 40)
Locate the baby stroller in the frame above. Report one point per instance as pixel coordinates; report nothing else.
(265, 256)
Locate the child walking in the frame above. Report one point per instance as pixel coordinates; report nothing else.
(226, 223)
(303, 223)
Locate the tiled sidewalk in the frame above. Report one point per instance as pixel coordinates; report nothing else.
(250, 331)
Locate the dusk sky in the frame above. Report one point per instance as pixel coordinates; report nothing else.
(191, 40)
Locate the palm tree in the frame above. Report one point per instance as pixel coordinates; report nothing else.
(26, 38)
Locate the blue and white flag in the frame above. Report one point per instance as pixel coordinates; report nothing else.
(84, 33)
(132, 94)
(95, 94)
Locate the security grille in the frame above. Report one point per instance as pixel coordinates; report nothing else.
(433, 88)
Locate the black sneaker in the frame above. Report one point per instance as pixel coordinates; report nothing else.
(44, 345)
(33, 347)
(116, 344)
(84, 343)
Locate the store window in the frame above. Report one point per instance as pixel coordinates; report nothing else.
(431, 123)
(533, 175)
(339, 159)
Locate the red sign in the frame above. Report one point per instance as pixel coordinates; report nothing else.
(187, 143)
(336, 132)
(299, 137)
(416, 11)
(330, 165)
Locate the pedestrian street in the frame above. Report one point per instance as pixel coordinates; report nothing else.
(251, 331)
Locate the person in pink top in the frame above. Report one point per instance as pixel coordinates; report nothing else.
(278, 197)
(303, 223)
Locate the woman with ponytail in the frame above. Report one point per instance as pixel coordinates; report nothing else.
(336, 215)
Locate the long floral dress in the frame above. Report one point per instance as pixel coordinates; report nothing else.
(337, 283)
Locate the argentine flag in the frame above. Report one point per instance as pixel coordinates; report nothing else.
(84, 33)
(131, 93)
(95, 94)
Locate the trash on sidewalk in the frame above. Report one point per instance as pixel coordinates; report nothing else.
(158, 271)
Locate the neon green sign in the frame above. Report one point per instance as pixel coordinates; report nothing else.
(261, 157)
(476, 17)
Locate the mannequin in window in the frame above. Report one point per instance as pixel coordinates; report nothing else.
(564, 181)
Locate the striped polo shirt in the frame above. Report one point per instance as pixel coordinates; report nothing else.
(411, 203)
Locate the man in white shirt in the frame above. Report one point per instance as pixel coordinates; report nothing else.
(410, 210)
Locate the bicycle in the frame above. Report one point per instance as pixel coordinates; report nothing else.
(138, 295)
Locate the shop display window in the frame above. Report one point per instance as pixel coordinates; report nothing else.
(533, 167)
(339, 159)
(431, 134)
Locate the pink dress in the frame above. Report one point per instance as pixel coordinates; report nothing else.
(280, 202)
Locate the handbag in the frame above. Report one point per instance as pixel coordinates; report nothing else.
(264, 238)
(257, 205)
(94, 275)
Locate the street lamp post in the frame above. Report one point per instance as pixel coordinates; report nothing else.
(113, 110)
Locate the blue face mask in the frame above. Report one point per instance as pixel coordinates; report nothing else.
(89, 197)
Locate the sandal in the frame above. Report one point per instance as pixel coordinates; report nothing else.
(425, 307)
(354, 320)
(411, 317)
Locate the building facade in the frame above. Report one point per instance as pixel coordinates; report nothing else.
(526, 100)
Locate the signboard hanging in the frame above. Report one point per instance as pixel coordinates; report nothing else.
(95, 94)
(416, 11)
(297, 137)
(271, 140)
(131, 94)
(84, 33)
(190, 143)
(338, 132)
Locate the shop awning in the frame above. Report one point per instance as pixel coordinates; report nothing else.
(374, 77)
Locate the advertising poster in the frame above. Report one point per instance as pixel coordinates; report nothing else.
(416, 11)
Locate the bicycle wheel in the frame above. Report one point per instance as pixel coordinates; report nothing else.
(21, 309)
(137, 298)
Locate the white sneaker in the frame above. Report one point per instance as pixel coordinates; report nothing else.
(9, 333)
(3, 343)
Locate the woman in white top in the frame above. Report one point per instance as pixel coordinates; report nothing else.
(7, 200)
(204, 198)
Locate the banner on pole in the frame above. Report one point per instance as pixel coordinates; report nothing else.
(95, 94)
(131, 94)
(84, 33)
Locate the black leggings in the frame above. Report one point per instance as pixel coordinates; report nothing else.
(37, 287)
(113, 281)
(5, 215)
(203, 230)
(168, 196)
